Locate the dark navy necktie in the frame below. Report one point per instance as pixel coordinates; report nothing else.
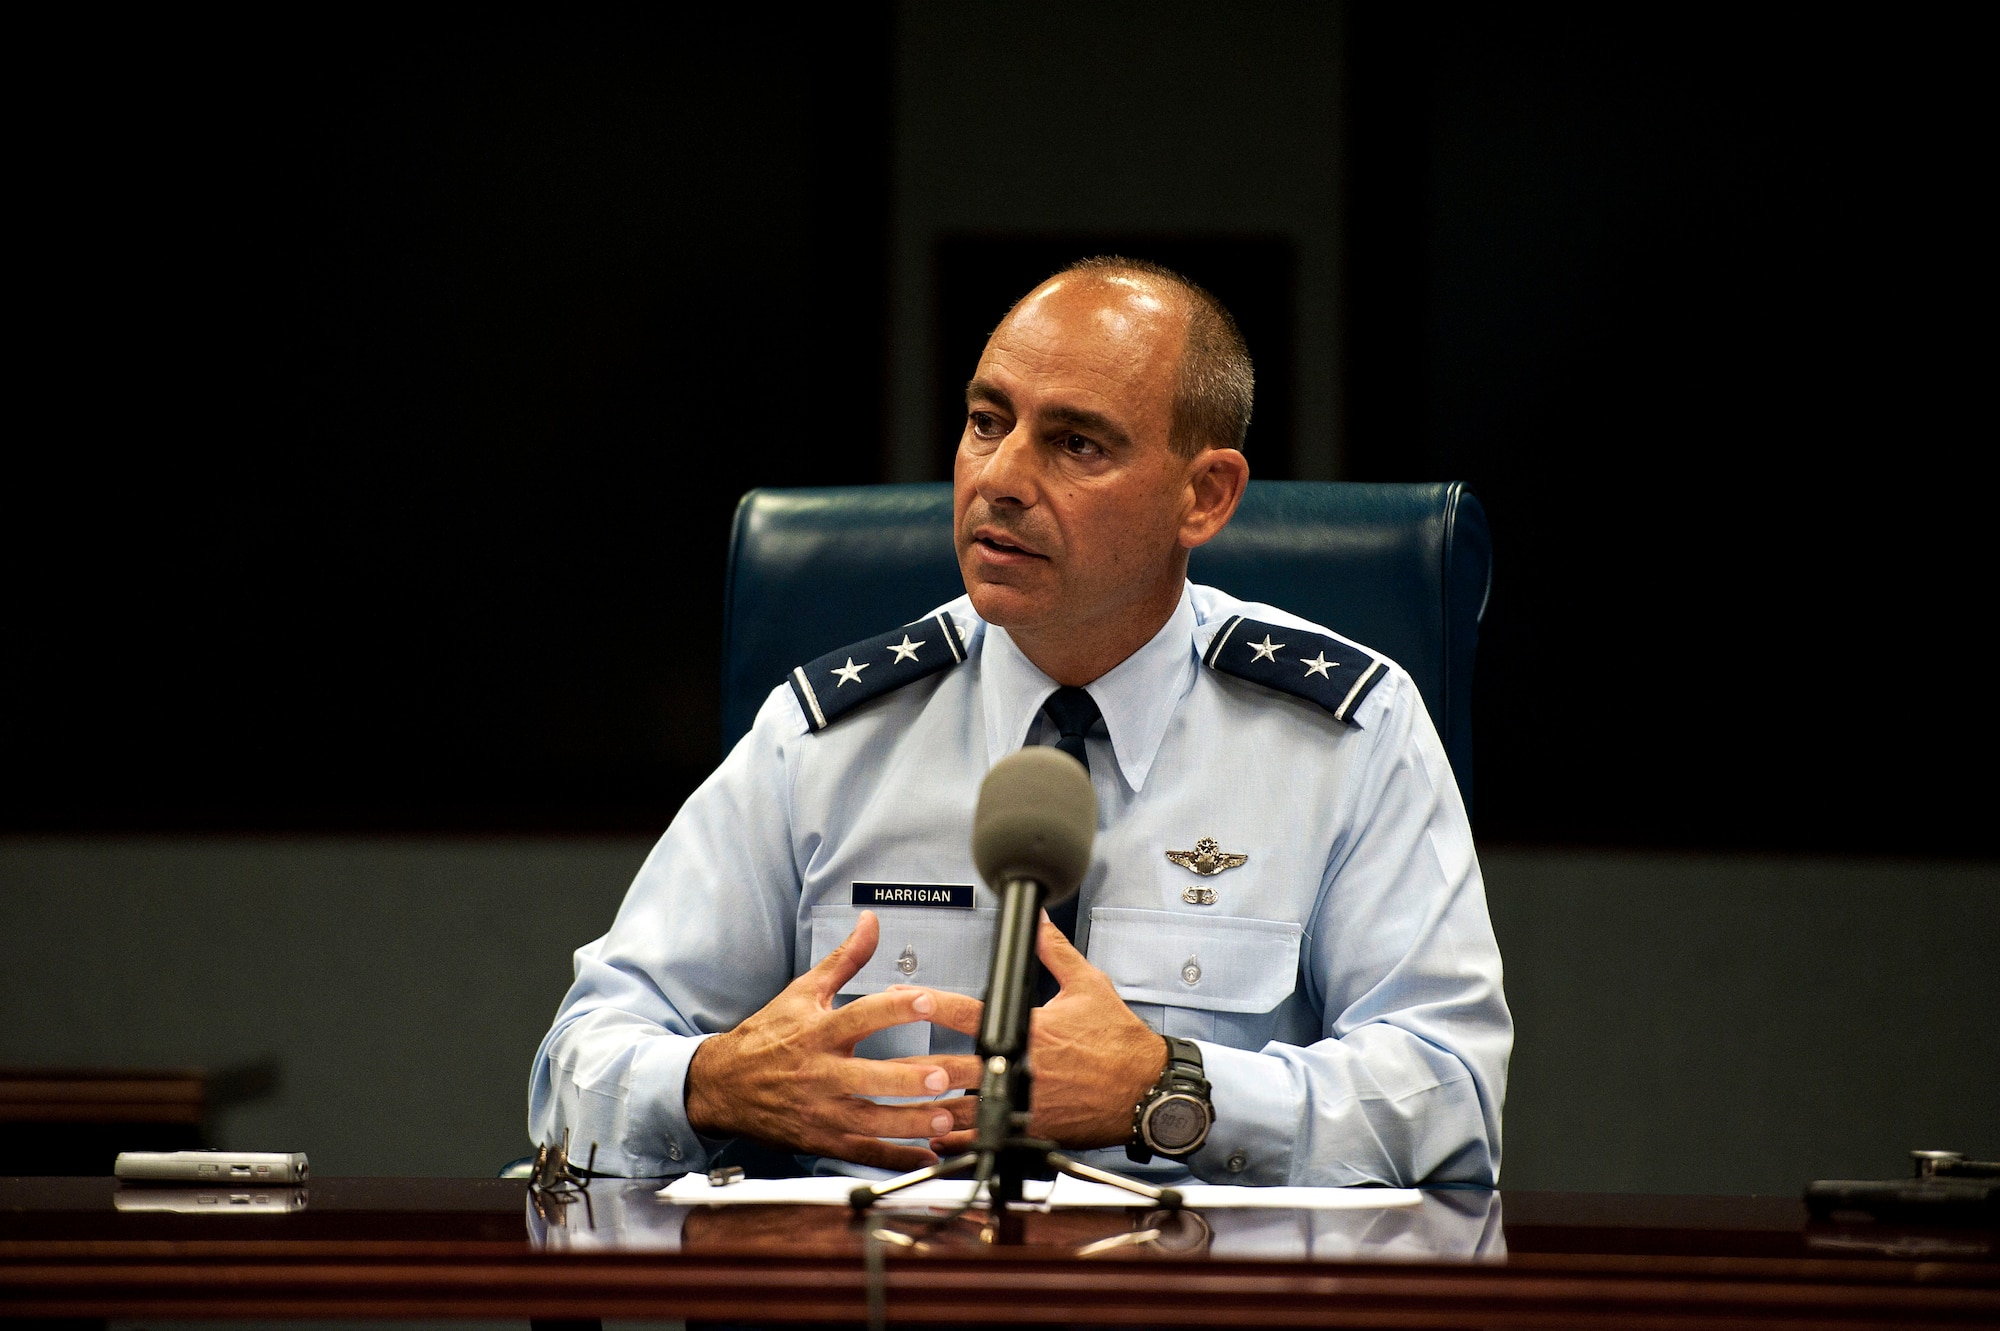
(1074, 712)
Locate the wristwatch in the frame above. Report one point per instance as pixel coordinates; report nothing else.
(1174, 1117)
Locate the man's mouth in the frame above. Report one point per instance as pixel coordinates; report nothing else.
(999, 544)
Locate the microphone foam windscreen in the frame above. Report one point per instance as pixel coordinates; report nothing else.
(1036, 817)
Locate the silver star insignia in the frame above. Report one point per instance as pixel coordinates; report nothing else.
(1207, 858)
(904, 650)
(849, 673)
(1266, 650)
(1319, 665)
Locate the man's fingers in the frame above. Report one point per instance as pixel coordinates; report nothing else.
(1060, 955)
(933, 1118)
(842, 1143)
(869, 1151)
(847, 959)
(961, 1070)
(918, 1121)
(953, 1143)
(873, 1012)
(906, 1077)
(956, 1012)
(953, 1011)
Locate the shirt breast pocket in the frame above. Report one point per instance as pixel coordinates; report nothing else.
(1215, 977)
(939, 949)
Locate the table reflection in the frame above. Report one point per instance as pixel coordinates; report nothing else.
(209, 1201)
(628, 1215)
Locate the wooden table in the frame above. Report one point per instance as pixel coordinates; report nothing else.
(472, 1248)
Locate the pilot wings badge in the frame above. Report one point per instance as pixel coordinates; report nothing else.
(1207, 858)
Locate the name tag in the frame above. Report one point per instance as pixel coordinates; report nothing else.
(956, 896)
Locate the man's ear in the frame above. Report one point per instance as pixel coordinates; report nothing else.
(1216, 479)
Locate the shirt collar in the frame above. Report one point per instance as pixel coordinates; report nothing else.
(1137, 696)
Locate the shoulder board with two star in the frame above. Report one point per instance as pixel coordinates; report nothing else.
(1325, 671)
(835, 684)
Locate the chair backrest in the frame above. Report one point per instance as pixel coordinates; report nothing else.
(1403, 569)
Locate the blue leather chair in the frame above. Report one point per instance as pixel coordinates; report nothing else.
(1403, 569)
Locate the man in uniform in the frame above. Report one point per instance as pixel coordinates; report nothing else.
(1279, 968)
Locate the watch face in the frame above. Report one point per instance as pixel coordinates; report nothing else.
(1176, 1123)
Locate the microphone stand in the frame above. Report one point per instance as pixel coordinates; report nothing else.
(1004, 1155)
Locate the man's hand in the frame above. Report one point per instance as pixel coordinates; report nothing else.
(1092, 1058)
(788, 1075)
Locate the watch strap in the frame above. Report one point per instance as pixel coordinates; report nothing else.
(1184, 1070)
(1182, 1075)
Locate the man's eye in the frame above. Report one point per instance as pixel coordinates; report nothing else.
(1078, 446)
(985, 424)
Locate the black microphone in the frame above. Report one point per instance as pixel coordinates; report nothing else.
(1031, 836)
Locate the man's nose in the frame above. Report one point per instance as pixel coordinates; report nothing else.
(1011, 473)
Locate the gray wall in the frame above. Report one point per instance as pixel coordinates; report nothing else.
(402, 985)
(1686, 1024)
(1167, 116)
(1704, 1023)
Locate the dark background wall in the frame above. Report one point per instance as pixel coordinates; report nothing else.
(404, 385)
(388, 394)
(395, 396)
(1689, 298)
(1206, 136)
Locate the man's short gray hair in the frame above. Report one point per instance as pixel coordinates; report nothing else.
(1214, 385)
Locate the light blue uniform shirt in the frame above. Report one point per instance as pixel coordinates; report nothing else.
(1344, 985)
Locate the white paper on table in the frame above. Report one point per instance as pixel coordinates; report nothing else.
(1076, 1193)
(824, 1190)
(1067, 1193)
